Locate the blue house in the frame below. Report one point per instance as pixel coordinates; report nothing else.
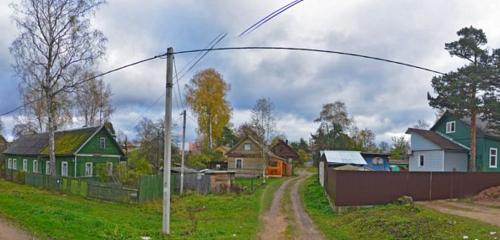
(376, 161)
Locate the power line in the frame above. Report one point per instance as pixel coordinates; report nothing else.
(269, 17)
(314, 50)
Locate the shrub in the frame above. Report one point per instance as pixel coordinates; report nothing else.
(20, 177)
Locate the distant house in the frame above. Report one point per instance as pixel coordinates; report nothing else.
(376, 161)
(282, 149)
(78, 152)
(435, 152)
(340, 160)
(247, 158)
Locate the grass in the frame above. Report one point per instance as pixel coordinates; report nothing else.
(388, 221)
(55, 216)
(286, 207)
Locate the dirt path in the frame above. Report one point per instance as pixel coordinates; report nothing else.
(470, 210)
(304, 224)
(10, 232)
(276, 221)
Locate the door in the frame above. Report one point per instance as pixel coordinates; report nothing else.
(64, 169)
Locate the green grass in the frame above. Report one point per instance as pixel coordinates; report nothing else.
(388, 221)
(55, 216)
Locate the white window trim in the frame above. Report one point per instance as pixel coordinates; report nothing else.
(236, 163)
(249, 147)
(25, 165)
(14, 164)
(101, 141)
(9, 163)
(47, 167)
(62, 168)
(496, 158)
(448, 126)
(35, 166)
(420, 160)
(91, 169)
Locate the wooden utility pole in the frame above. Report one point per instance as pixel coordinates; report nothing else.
(168, 146)
(182, 149)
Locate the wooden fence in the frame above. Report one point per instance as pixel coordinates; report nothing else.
(354, 188)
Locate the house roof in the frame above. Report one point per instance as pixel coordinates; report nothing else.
(67, 142)
(248, 136)
(344, 157)
(282, 149)
(438, 139)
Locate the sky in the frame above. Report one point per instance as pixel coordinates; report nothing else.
(383, 97)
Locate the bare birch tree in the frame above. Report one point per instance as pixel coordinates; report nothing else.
(94, 101)
(263, 121)
(55, 44)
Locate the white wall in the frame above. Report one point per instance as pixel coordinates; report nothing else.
(433, 161)
(455, 161)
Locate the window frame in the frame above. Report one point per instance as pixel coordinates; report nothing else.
(62, 169)
(9, 163)
(421, 160)
(496, 158)
(14, 164)
(102, 143)
(236, 163)
(449, 126)
(249, 146)
(47, 167)
(35, 166)
(91, 164)
(25, 165)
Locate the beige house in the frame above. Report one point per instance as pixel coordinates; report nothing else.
(246, 159)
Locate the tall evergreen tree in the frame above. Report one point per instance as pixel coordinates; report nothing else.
(472, 90)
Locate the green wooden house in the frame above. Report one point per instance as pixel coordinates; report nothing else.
(458, 130)
(78, 152)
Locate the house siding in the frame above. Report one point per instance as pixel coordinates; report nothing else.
(454, 161)
(93, 146)
(433, 161)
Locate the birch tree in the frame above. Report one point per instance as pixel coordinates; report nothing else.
(94, 101)
(55, 44)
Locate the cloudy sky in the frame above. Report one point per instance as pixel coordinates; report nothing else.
(383, 97)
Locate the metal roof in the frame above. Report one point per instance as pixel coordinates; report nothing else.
(344, 157)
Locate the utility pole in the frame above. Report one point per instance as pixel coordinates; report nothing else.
(168, 146)
(182, 149)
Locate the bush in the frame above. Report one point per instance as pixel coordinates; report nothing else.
(20, 177)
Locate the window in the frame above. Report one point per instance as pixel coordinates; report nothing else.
(88, 169)
(47, 168)
(493, 157)
(247, 147)
(35, 166)
(450, 127)
(239, 163)
(102, 143)
(14, 164)
(9, 164)
(64, 169)
(25, 165)
(378, 161)
(421, 160)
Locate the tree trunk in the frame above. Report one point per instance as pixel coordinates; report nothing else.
(473, 133)
(51, 130)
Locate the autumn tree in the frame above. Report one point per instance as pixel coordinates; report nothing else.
(472, 90)
(363, 140)
(400, 148)
(206, 96)
(384, 147)
(94, 101)
(55, 44)
(334, 115)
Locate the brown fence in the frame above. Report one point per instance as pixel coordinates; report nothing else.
(354, 188)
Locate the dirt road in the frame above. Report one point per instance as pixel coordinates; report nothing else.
(275, 220)
(481, 212)
(10, 232)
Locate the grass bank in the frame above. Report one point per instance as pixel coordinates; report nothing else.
(55, 216)
(388, 221)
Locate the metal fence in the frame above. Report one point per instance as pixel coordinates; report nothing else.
(351, 188)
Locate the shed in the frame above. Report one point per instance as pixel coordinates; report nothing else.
(220, 180)
(337, 158)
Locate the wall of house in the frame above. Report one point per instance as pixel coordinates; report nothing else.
(418, 143)
(253, 166)
(433, 161)
(484, 161)
(376, 167)
(455, 162)
(93, 146)
(96, 161)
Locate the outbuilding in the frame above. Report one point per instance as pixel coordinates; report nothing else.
(339, 158)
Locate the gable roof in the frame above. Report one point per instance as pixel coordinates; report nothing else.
(249, 137)
(282, 149)
(67, 142)
(482, 126)
(438, 139)
(344, 157)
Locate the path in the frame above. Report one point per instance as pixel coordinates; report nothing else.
(470, 210)
(10, 232)
(275, 220)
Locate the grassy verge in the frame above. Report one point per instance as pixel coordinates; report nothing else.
(387, 221)
(55, 216)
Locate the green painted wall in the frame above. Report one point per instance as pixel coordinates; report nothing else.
(462, 135)
(81, 161)
(93, 146)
